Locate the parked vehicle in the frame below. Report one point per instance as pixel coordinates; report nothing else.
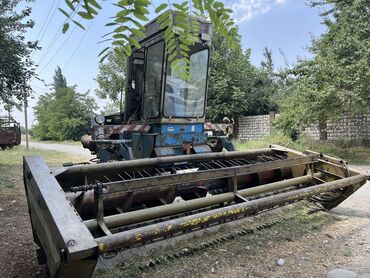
(10, 132)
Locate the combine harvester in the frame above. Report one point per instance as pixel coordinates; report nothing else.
(160, 149)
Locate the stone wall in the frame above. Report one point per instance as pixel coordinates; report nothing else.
(255, 127)
(348, 127)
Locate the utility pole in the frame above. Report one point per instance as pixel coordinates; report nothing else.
(26, 120)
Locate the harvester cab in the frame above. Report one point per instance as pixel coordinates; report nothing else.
(164, 111)
(161, 174)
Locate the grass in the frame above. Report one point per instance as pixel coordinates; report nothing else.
(65, 142)
(353, 154)
(11, 161)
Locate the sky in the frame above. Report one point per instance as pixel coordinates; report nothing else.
(284, 26)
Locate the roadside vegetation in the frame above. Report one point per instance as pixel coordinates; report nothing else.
(11, 161)
(344, 149)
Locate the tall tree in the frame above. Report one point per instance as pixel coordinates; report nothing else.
(63, 114)
(16, 67)
(336, 80)
(59, 79)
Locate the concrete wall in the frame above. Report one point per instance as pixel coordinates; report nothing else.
(347, 127)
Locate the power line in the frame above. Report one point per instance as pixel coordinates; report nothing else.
(77, 47)
(58, 33)
(38, 38)
(48, 24)
(80, 42)
(60, 47)
(42, 27)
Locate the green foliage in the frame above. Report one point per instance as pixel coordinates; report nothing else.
(59, 80)
(128, 24)
(112, 76)
(337, 79)
(235, 86)
(63, 114)
(16, 67)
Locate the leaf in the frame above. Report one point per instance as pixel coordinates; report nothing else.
(90, 10)
(140, 10)
(137, 23)
(78, 24)
(141, 17)
(172, 56)
(134, 42)
(137, 33)
(119, 42)
(165, 24)
(64, 12)
(110, 39)
(125, 2)
(179, 7)
(65, 27)
(120, 29)
(161, 8)
(111, 24)
(164, 16)
(127, 49)
(119, 36)
(70, 5)
(95, 4)
(104, 50)
(145, 3)
(85, 15)
(103, 58)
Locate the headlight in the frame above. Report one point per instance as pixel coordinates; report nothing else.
(100, 119)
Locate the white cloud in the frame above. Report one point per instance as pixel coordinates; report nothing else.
(245, 10)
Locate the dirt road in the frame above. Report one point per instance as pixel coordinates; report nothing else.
(60, 147)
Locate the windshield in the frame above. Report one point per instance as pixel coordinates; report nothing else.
(184, 98)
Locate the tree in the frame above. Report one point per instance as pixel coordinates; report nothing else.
(63, 114)
(336, 80)
(112, 76)
(16, 67)
(59, 80)
(229, 80)
(236, 87)
(265, 86)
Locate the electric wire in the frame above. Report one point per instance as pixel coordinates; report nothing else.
(77, 47)
(43, 24)
(57, 34)
(56, 52)
(79, 43)
(48, 24)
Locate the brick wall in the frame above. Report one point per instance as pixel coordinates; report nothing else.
(355, 128)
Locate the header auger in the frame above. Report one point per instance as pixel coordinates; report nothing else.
(158, 151)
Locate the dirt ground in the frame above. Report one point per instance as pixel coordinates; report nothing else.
(310, 245)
